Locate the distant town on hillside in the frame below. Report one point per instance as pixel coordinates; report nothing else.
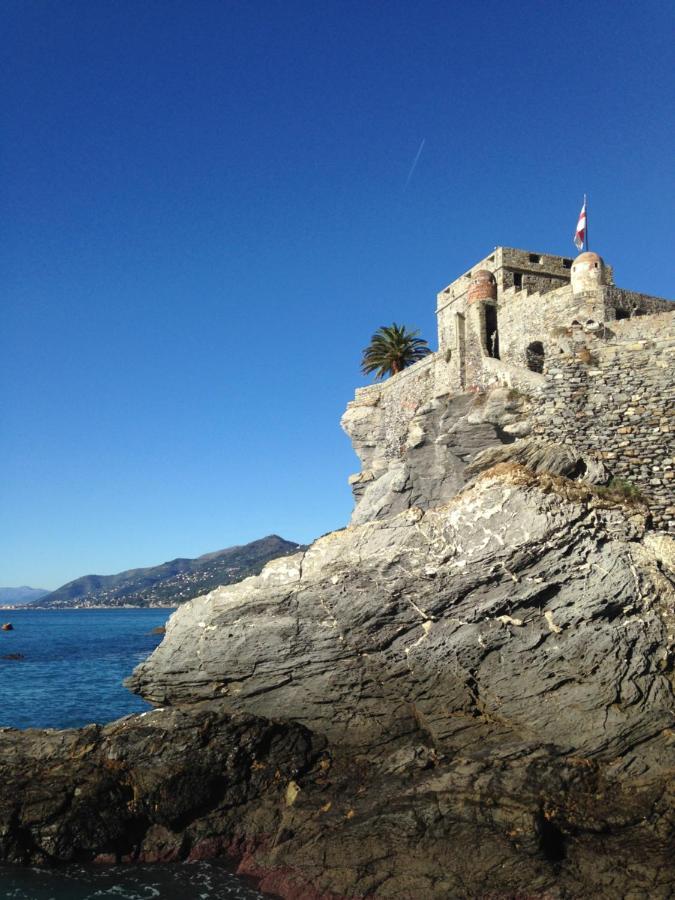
(169, 584)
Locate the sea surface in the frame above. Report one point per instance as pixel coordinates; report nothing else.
(70, 674)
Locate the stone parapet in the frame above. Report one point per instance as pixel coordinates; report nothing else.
(395, 383)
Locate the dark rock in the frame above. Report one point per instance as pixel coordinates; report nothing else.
(149, 787)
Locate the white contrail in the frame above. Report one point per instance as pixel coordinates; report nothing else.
(412, 168)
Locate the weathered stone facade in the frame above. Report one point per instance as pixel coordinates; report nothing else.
(556, 329)
(613, 395)
(490, 340)
(396, 401)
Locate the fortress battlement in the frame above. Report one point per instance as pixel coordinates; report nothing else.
(596, 360)
(508, 306)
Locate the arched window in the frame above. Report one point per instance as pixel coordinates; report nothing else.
(535, 356)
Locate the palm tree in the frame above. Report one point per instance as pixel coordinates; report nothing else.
(391, 349)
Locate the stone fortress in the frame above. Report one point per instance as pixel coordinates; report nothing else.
(468, 692)
(590, 364)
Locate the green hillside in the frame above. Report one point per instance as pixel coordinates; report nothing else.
(170, 583)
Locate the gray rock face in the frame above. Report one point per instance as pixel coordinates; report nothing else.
(496, 670)
(527, 602)
(429, 468)
(472, 687)
(542, 456)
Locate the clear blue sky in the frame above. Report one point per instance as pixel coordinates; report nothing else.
(205, 217)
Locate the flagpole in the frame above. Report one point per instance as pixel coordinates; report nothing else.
(586, 229)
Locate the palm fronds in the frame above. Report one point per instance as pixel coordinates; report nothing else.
(392, 348)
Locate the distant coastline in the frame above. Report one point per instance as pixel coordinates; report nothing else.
(33, 608)
(167, 585)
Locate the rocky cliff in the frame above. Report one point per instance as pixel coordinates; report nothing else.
(466, 693)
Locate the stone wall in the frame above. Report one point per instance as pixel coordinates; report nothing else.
(524, 318)
(632, 303)
(613, 396)
(527, 317)
(381, 412)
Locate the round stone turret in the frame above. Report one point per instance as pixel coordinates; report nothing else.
(483, 286)
(588, 272)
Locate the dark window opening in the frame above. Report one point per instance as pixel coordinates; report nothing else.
(567, 263)
(491, 331)
(622, 314)
(534, 258)
(551, 840)
(517, 279)
(535, 356)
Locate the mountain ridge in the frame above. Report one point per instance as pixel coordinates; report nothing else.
(170, 583)
(22, 595)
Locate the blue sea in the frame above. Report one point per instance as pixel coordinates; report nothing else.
(69, 673)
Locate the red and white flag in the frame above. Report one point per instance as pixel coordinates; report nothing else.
(580, 234)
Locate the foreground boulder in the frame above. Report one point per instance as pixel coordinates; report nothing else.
(476, 700)
(528, 606)
(498, 670)
(162, 785)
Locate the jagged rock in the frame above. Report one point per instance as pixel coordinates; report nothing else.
(150, 787)
(502, 663)
(404, 614)
(429, 466)
(475, 684)
(477, 697)
(542, 456)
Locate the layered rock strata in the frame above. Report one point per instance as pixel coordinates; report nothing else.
(467, 693)
(443, 621)
(417, 455)
(424, 456)
(483, 694)
(494, 677)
